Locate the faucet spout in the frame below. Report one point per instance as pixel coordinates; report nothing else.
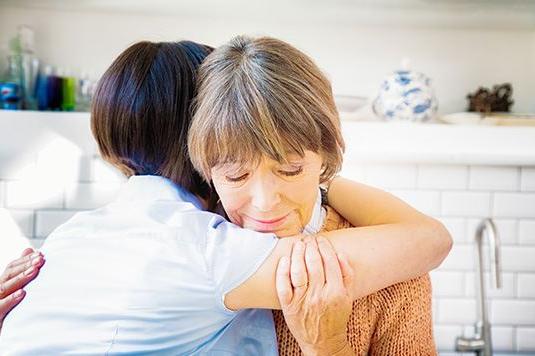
(494, 247)
(481, 343)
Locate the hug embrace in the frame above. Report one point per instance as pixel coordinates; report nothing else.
(233, 235)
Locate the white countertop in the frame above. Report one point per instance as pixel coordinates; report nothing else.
(365, 141)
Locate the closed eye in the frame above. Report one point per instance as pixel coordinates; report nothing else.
(238, 178)
(294, 172)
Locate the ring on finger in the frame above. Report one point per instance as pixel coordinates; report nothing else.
(301, 285)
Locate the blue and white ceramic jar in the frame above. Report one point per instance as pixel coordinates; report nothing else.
(406, 96)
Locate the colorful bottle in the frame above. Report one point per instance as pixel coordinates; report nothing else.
(11, 90)
(41, 88)
(55, 92)
(68, 90)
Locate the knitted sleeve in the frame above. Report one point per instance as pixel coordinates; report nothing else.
(404, 325)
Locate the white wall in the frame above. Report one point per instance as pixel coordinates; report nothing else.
(355, 54)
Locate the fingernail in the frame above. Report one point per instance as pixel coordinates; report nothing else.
(36, 260)
(35, 255)
(18, 294)
(29, 271)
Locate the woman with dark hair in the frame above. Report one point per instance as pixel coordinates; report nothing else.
(154, 272)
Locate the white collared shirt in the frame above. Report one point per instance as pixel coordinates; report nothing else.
(318, 217)
(145, 274)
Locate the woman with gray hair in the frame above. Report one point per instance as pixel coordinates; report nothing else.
(266, 133)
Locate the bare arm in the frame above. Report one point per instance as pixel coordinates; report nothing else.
(363, 205)
(393, 243)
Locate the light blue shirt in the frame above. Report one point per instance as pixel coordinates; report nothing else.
(145, 275)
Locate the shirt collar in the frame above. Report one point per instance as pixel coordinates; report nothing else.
(318, 217)
(148, 188)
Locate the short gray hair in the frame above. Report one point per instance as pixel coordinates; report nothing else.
(263, 97)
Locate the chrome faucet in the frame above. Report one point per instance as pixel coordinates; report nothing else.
(481, 342)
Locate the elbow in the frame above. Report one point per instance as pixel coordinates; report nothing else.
(442, 242)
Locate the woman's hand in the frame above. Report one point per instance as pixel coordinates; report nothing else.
(314, 287)
(18, 274)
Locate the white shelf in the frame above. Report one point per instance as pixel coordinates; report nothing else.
(439, 143)
(26, 132)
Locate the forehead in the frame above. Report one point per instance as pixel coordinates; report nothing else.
(291, 157)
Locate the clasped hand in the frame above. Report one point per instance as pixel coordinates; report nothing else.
(313, 286)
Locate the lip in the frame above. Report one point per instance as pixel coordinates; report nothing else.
(267, 225)
(271, 221)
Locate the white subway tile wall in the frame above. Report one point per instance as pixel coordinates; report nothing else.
(459, 196)
(526, 232)
(525, 339)
(527, 182)
(514, 205)
(465, 203)
(24, 220)
(47, 220)
(443, 177)
(494, 178)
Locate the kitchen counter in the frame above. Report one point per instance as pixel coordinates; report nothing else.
(381, 142)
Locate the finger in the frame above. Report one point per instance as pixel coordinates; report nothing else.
(24, 259)
(333, 274)
(307, 238)
(11, 272)
(314, 265)
(282, 282)
(347, 271)
(10, 302)
(298, 270)
(27, 251)
(10, 286)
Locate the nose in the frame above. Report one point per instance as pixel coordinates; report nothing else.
(265, 194)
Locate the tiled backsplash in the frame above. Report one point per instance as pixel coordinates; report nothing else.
(460, 196)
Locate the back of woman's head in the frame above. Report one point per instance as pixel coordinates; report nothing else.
(263, 97)
(141, 111)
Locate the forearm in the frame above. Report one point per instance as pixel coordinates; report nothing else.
(380, 256)
(422, 242)
(383, 255)
(364, 205)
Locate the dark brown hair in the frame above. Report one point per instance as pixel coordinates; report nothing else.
(141, 111)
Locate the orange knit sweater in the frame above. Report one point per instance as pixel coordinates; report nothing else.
(393, 321)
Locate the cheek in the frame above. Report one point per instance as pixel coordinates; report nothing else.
(232, 200)
(303, 195)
